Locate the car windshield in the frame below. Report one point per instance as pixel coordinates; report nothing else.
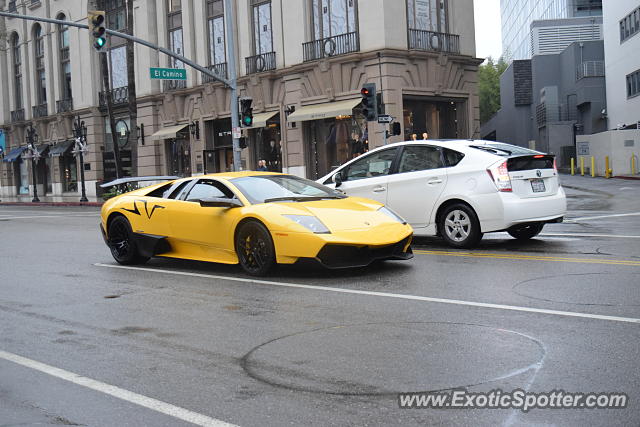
(275, 188)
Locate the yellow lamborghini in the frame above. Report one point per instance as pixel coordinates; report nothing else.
(256, 219)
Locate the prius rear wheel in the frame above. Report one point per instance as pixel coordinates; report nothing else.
(254, 247)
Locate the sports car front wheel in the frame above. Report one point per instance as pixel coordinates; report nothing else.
(122, 244)
(254, 247)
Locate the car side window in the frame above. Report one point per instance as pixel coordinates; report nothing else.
(206, 189)
(176, 190)
(376, 164)
(418, 158)
(452, 157)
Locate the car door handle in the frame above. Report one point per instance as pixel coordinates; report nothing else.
(379, 189)
(434, 181)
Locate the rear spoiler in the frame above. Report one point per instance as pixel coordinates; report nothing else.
(127, 180)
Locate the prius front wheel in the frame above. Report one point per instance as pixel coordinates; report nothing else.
(254, 247)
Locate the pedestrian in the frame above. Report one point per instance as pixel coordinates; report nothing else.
(356, 145)
(262, 166)
(425, 135)
(414, 137)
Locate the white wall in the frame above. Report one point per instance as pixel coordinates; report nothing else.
(621, 59)
(612, 144)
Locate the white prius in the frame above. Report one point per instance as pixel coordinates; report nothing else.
(459, 189)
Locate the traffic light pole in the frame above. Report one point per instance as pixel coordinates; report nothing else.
(231, 59)
(167, 52)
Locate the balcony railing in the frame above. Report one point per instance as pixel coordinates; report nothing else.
(219, 69)
(169, 85)
(40, 110)
(331, 46)
(119, 96)
(434, 42)
(260, 63)
(549, 113)
(64, 105)
(590, 69)
(17, 116)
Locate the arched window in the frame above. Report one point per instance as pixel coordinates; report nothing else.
(17, 70)
(65, 63)
(41, 78)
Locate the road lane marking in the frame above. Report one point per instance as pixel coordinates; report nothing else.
(629, 263)
(606, 236)
(378, 294)
(48, 216)
(120, 393)
(587, 218)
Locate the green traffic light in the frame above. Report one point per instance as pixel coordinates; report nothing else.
(248, 121)
(100, 42)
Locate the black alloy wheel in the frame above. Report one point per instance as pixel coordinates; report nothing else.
(254, 248)
(122, 244)
(525, 232)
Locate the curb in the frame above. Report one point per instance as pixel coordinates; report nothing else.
(62, 204)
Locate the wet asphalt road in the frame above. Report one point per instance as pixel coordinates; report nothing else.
(303, 348)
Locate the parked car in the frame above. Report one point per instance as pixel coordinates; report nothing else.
(256, 219)
(458, 189)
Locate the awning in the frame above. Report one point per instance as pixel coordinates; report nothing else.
(260, 120)
(43, 150)
(61, 148)
(14, 154)
(323, 111)
(168, 133)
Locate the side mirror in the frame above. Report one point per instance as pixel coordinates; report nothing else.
(219, 202)
(337, 179)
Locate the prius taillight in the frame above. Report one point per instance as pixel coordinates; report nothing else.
(499, 173)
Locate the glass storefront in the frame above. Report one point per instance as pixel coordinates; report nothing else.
(179, 156)
(22, 174)
(69, 171)
(332, 142)
(266, 144)
(434, 119)
(218, 153)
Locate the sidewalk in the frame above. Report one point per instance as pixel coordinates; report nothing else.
(11, 203)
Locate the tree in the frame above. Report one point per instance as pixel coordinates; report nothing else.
(489, 87)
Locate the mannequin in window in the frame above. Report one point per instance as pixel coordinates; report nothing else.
(425, 135)
(356, 145)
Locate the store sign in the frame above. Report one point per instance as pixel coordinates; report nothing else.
(2, 142)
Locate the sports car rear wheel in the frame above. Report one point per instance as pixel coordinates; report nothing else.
(254, 247)
(122, 244)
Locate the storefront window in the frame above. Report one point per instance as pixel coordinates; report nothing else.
(267, 146)
(69, 170)
(23, 177)
(332, 142)
(433, 119)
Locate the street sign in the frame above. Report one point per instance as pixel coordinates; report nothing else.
(237, 133)
(385, 118)
(582, 148)
(168, 73)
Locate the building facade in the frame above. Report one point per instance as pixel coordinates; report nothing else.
(518, 15)
(302, 62)
(547, 100)
(620, 141)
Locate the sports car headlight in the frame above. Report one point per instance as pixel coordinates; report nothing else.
(310, 222)
(391, 214)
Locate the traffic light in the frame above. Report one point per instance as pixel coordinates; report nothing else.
(369, 102)
(396, 129)
(97, 30)
(246, 112)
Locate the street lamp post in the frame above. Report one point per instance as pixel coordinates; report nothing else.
(32, 140)
(80, 133)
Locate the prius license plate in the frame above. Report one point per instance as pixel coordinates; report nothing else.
(537, 185)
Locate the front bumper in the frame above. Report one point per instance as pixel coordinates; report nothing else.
(335, 256)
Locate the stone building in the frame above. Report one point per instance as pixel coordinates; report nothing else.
(302, 61)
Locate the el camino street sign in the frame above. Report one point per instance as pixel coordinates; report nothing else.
(168, 73)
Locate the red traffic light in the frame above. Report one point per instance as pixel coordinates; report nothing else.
(364, 91)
